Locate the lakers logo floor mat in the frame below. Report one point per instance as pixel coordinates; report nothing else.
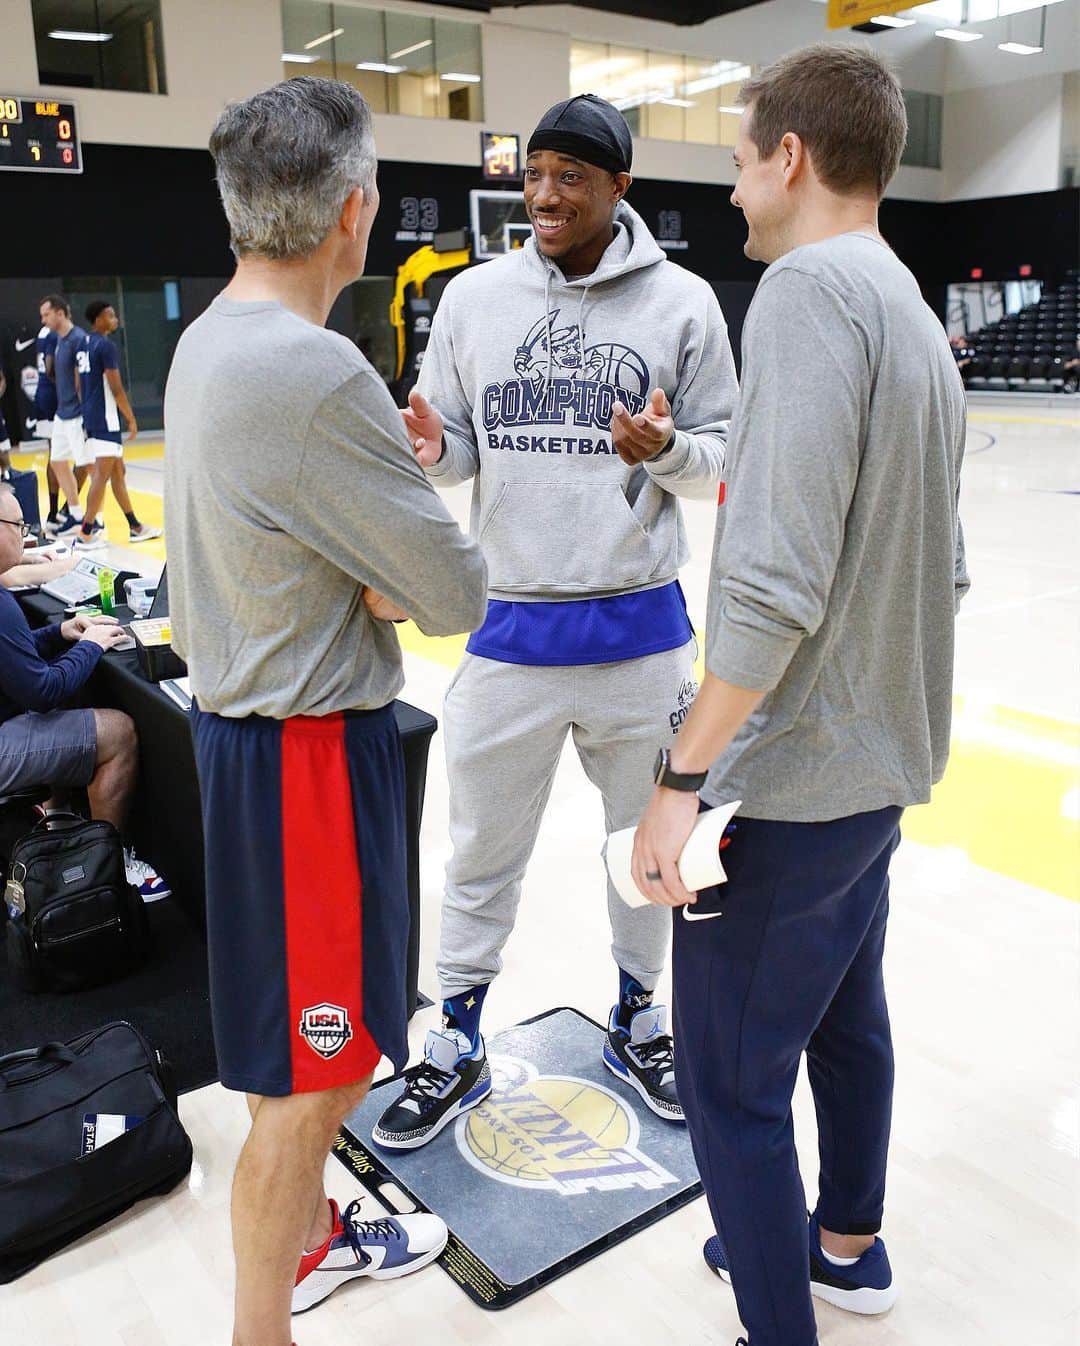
(559, 1163)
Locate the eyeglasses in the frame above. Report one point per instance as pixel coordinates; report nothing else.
(24, 528)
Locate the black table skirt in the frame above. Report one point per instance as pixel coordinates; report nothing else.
(165, 823)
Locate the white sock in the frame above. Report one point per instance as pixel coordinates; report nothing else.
(838, 1261)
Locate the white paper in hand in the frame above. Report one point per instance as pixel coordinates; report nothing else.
(699, 864)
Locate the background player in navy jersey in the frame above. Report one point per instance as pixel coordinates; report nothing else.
(104, 401)
(45, 399)
(67, 447)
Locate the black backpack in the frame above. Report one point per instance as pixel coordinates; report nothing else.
(74, 920)
(87, 1127)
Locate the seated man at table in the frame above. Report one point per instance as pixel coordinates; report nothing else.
(43, 745)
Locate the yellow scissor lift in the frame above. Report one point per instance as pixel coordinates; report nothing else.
(448, 253)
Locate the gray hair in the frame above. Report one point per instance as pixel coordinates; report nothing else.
(287, 159)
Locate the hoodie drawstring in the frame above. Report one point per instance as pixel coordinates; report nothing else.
(581, 327)
(547, 320)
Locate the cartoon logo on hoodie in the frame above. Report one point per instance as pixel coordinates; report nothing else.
(558, 374)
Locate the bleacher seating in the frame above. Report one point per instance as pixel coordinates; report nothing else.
(1029, 351)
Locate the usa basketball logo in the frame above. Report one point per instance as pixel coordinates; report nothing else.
(326, 1029)
(555, 1133)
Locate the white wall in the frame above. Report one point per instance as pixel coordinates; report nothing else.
(1003, 140)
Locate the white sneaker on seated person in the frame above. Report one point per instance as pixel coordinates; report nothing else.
(152, 887)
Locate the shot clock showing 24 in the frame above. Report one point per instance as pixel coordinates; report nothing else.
(38, 135)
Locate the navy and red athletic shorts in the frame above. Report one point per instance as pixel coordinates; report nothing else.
(306, 899)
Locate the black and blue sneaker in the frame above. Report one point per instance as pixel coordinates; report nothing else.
(450, 1080)
(864, 1287)
(643, 1056)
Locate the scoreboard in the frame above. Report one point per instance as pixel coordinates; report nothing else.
(500, 156)
(38, 135)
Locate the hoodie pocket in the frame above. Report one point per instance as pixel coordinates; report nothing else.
(539, 536)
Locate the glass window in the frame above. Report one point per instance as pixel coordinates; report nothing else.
(100, 44)
(662, 95)
(149, 311)
(923, 148)
(402, 63)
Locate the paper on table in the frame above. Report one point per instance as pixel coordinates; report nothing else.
(699, 864)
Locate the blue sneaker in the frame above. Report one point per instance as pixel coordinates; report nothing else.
(65, 524)
(716, 1258)
(643, 1056)
(382, 1249)
(864, 1287)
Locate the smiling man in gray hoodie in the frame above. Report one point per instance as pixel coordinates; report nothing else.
(582, 383)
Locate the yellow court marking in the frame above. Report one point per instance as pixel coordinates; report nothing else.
(1010, 798)
(445, 650)
(990, 417)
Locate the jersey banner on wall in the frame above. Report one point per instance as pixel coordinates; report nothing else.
(18, 358)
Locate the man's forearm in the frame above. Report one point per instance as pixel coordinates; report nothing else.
(720, 709)
(35, 572)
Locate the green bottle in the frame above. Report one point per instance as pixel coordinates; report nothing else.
(106, 579)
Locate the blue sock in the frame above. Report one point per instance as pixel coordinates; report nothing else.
(462, 1012)
(632, 997)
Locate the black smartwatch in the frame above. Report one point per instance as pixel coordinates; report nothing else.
(690, 781)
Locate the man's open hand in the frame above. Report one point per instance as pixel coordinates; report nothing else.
(641, 437)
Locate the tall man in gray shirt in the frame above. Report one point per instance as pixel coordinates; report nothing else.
(826, 703)
(299, 526)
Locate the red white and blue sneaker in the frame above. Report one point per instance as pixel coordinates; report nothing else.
(152, 887)
(866, 1286)
(450, 1080)
(643, 1056)
(381, 1249)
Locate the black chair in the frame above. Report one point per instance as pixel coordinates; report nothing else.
(998, 377)
(1017, 372)
(1038, 373)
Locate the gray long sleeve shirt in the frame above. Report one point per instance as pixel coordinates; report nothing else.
(838, 559)
(289, 485)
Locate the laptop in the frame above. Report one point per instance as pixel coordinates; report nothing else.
(160, 605)
(81, 583)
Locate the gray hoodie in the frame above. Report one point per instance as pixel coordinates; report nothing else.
(524, 366)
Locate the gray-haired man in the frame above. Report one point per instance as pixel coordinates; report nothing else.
(300, 525)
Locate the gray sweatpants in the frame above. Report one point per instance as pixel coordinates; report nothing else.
(505, 726)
